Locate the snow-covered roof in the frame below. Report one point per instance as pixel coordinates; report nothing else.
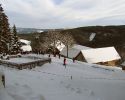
(60, 45)
(26, 48)
(73, 51)
(25, 41)
(100, 54)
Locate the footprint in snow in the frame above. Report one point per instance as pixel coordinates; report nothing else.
(17, 97)
(68, 86)
(16, 84)
(39, 97)
(72, 89)
(51, 79)
(61, 82)
(92, 93)
(78, 91)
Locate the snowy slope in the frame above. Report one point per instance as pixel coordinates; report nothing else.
(53, 82)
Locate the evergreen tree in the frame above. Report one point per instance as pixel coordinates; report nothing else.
(15, 44)
(5, 35)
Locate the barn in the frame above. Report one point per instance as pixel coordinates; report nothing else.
(73, 51)
(103, 56)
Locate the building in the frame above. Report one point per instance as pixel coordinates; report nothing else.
(25, 45)
(73, 51)
(103, 56)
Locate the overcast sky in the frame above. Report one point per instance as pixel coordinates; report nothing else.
(64, 13)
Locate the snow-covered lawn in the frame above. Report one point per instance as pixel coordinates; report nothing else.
(78, 81)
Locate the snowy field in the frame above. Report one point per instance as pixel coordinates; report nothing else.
(78, 81)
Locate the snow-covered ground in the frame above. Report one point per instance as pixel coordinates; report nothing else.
(78, 81)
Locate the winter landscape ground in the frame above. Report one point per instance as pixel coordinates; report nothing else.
(78, 81)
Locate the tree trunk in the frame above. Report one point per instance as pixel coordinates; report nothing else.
(54, 49)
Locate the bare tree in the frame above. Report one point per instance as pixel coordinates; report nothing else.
(68, 40)
(54, 37)
(51, 39)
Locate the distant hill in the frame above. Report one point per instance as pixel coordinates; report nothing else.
(32, 30)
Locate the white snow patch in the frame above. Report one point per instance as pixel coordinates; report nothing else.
(26, 48)
(92, 36)
(25, 41)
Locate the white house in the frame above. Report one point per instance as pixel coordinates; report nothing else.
(105, 56)
(73, 51)
(25, 45)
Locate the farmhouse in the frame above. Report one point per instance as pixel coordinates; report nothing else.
(25, 45)
(73, 51)
(104, 56)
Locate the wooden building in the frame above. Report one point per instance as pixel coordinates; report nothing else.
(103, 56)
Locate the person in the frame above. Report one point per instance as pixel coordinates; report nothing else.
(71, 77)
(73, 60)
(49, 56)
(64, 62)
(59, 56)
(3, 80)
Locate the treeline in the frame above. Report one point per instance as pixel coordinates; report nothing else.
(105, 35)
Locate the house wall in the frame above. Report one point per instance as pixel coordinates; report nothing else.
(109, 63)
(80, 57)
